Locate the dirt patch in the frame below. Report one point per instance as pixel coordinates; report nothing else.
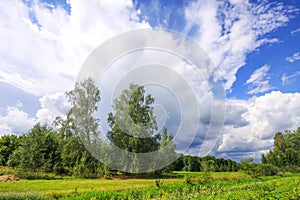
(8, 178)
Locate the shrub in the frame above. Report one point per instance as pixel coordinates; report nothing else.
(188, 180)
(159, 183)
(268, 170)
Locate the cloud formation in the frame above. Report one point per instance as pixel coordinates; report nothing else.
(15, 121)
(295, 57)
(258, 81)
(264, 116)
(230, 30)
(295, 31)
(288, 79)
(52, 105)
(43, 49)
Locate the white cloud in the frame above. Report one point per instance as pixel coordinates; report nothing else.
(287, 79)
(295, 57)
(258, 74)
(228, 32)
(295, 31)
(45, 57)
(52, 106)
(258, 81)
(15, 121)
(234, 115)
(265, 116)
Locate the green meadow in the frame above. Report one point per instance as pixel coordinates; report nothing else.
(178, 185)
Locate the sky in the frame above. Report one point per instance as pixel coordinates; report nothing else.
(254, 45)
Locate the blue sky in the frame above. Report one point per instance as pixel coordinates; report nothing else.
(255, 46)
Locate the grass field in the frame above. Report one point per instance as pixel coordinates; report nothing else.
(230, 185)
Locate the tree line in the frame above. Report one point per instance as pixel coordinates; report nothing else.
(286, 152)
(60, 148)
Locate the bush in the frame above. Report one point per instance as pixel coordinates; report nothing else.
(268, 170)
(23, 174)
(188, 180)
(207, 168)
(293, 169)
(159, 183)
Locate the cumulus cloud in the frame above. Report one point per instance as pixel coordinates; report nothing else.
(15, 121)
(295, 57)
(230, 30)
(258, 81)
(234, 115)
(52, 106)
(43, 49)
(264, 116)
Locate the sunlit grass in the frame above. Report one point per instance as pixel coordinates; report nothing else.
(230, 185)
(68, 185)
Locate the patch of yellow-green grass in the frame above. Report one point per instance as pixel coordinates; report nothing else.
(215, 175)
(229, 175)
(6, 170)
(69, 185)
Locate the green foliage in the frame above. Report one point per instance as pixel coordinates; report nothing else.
(42, 149)
(268, 170)
(159, 183)
(133, 126)
(207, 167)
(80, 127)
(25, 174)
(38, 150)
(166, 151)
(8, 144)
(133, 123)
(84, 99)
(250, 168)
(188, 179)
(286, 151)
(193, 164)
(255, 169)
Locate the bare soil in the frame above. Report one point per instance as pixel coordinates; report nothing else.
(8, 178)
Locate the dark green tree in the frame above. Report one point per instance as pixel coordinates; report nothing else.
(191, 163)
(207, 167)
(285, 154)
(39, 150)
(8, 144)
(250, 168)
(166, 151)
(279, 142)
